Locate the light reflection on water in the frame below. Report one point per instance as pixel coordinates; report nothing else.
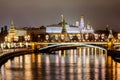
(74, 64)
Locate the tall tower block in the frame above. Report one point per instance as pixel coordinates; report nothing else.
(82, 24)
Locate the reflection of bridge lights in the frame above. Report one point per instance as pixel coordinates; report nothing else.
(57, 60)
(59, 52)
(47, 59)
(109, 44)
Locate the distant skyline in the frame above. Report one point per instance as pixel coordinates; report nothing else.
(36, 13)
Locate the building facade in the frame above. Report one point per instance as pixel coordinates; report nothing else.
(65, 32)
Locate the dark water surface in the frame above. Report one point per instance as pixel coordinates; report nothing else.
(74, 64)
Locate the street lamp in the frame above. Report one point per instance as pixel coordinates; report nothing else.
(38, 38)
(86, 36)
(27, 39)
(16, 38)
(118, 36)
(103, 37)
(71, 37)
(56, 37)
(7, 41)
(79, 36)
(62, 37)
(96, 37)
(47, 37)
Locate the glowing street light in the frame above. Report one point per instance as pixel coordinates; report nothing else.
(70, 36)
(47, 37)
(79, 36)
(119, 36)
(96, 36)
(27, 39)
(16, 38)
(102, 36)
(62, 37)
(86, 36)
(56, 37)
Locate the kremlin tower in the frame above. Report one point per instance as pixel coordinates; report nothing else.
(82, 24)
(11, 30)
(64, 31)
(11, 34)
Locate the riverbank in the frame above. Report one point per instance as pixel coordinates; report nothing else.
(11, 53)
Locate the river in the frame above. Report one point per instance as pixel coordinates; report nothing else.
(74, 64)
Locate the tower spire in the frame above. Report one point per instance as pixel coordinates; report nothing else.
(12, 24)
(12, 29)
(63, 22)
(62, 17)
(82, 22)
(63, 25)
(64, 31)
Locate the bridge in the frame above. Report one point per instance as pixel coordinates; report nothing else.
(53, 45)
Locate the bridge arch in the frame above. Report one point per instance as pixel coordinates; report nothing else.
(47, 48)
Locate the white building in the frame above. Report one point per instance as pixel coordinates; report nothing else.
(80, 27)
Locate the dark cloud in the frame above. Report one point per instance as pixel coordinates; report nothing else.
(45, 12)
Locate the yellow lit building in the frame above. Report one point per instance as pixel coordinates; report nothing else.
(14, 34)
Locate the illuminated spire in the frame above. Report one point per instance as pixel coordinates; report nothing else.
(63, 22)
(62, 17)
(12, 29)
(63, 25)
(12, 25)
(64, 31)
(82, 22)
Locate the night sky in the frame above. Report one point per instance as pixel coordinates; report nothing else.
(45, 12)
